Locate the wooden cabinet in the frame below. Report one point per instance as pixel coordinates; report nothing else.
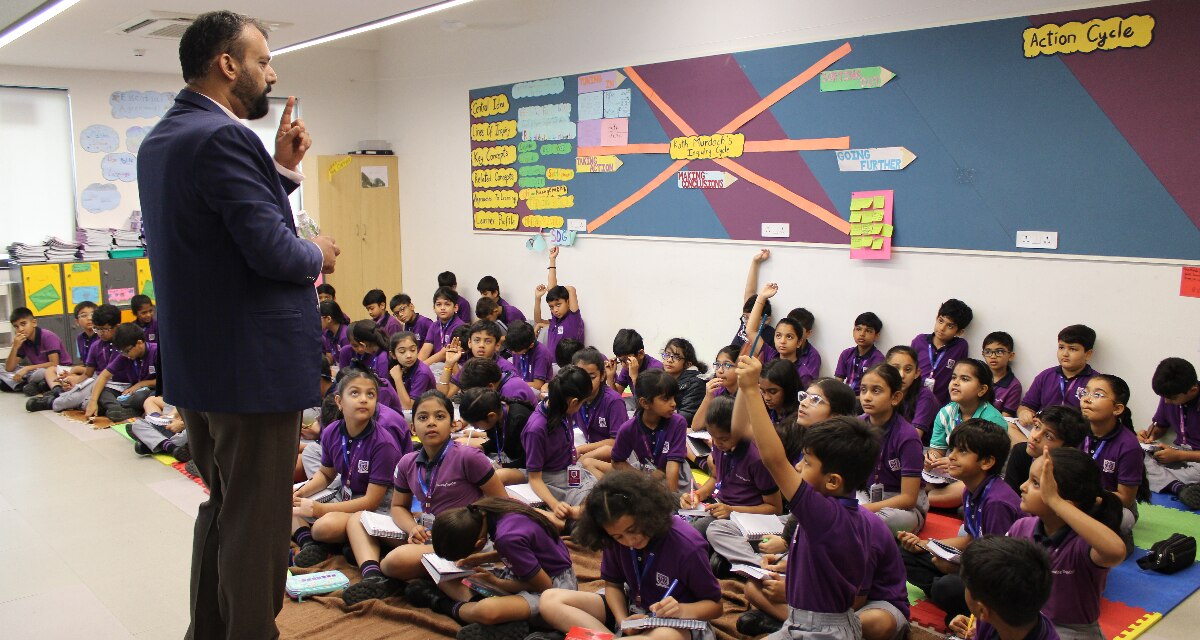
(359, 200)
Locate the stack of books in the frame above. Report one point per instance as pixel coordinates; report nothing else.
(126, 244)
(27, 253)
(93, 243)
(58, 250)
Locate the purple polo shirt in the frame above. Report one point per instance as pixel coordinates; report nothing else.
(454, 482)
(388, 324)
(938, 362)
(83, 344)
(418, 379)
(994, 507)
(506, 367)
(1043, 630)
(1077, 582)
(335, 341)
(44, 343)
(526, 547)
(570, 326)
(648, 362)
(808, 364)
(921, 410)
(900, 454)
(766, 341)
(419, 327)
(394, 422)
(130, 371)
(464, 311)
(509, 313)
(660, 446)
(851, 365)
(827, 550)
(150, 329)
(1119, 456)
(742, 478)
(388, 397)
(600, 418)
(368, 458)
(885, 574)
(1052, 387)
(547, 450)
(1008, 394)
(440, 333)
(679, 554)
(536, 363)
(100, 355)
(1184, 419)
(512, 386)
(377, 362)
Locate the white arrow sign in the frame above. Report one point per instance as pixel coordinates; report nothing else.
(705, 179)
(878, 159)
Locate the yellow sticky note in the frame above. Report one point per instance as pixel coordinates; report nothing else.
(859, 203)
(877, 244)
(876, 229)
(877, 216)
(857, 242)
(855, 216)
(878, 202)
(887, 230)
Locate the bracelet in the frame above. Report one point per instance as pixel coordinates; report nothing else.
(551, 267)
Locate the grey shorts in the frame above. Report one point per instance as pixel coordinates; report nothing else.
(809, 625)
(1089, 631)
(897, 615)
(556, 482)
(564, 580)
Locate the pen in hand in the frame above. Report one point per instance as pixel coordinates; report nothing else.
(670, 590)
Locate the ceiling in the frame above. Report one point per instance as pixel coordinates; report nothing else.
(80, 37)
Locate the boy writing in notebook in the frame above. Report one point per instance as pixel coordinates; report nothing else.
(1175, 469)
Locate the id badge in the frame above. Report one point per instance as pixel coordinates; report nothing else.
(346, 496)
(876, 492)
(427, 521)
(929, 382)
(574, 476)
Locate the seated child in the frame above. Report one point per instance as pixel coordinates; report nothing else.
(602, 413)
(854, 361)
(565, 319)
(653, 563)
(680, 361)
(503, 420)
(976, 456)
(143, 309)
(488, 287)
(1062, 384)
(896, 490)
(325, 291)
(564, 351)
(1007, 583)
(939, 350)
(790, 338)
(1113, 445)
(919, 405)
(410, 377)
(72, 391)
(368, 349)
(483, 372)
(440, 332)
(998, 353)
(779, 386)
(483, 339)
(87, 332)
(531, 358)
(133, 374)
(652, 441)
(551, 459)
(1175, 469)
(970, 397)
(376, 304)
(722, 383)
(448, 280)
(405, 311)
(161, 430)
(764, 331)
(362, 454)
(630, 354)
(489, 310)
(334, 332)
(40, 348)
(1053, 427)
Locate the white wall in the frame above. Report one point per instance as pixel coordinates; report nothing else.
(667, 288)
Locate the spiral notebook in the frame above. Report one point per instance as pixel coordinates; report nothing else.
(756, 525)
(442, 570)
(380, 526)
(324, 495)
(526, 494)
(670, 623)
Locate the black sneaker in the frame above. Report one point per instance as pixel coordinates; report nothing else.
(182, 453)
(191, 468)
(35, 388)
(141, 449)
(757, 623)
(1189, 495)
(40, 403)
(311, 553)
(420, 593)
(376, 587)
(721, 567)
(506, 631)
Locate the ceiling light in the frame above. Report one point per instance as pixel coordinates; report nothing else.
(35, 19)
(371, 26)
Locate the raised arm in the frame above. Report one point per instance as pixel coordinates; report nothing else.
(1107, 548)
(752, 274)
(755, 321)
(750, 406)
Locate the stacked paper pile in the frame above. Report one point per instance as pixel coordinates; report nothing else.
(93, 243)
(27, 253)
(58, 250)
(126, 239)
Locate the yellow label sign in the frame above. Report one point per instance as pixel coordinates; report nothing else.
(549, 202)
(490, 156)
(1086, 37)
(497, 199)
(553, 173)
(503, 177)
(502, 220)
(543, 222)
(489, 106)
(721, 145)
(338, 166)
(557, 190)
(491, 131)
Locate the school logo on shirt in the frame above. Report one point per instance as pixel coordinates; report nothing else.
(662, 580)
(950, 364)
(364, 466)
(666, 447)
(560, 330)
(603, 422)
(152, 372)
(894, 464)
(1110, 466)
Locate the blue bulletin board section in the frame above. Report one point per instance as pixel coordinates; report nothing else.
(1098, 146)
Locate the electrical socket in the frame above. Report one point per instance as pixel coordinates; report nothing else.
(1037, 239)
(776, 230)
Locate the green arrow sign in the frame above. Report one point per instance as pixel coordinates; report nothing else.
(860, 78)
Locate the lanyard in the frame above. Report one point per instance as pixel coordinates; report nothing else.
(887, 431)
(855, 364)
(658, 438)
(500, 428)
(726, 469)
(1087, 445)
(429, 488)
(523, 363)
(442, 328)
(1182, 423)
(1065, 385)
(973, 514)
(346, 455)
(641, 574)
(933, 365)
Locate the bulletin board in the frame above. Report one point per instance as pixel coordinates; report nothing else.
(1080, 123)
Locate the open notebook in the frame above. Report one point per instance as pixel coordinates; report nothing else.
(324, 495)
(671, 623)
(381, 526)
(442, 570)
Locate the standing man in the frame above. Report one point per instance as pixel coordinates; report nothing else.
(239, 332)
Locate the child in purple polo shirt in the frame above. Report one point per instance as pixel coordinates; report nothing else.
(722, 383)
(854, 362)
(896, 490)
(998, 353)
(483, 340)
(440, 475)
(1113, 445)
(1076, 520)
(448, 280)
(977, 453)
(87, 333)
(72, 391)
(555, 473)
(488, 287)
(334, 332)
(602, 413)
(938, 351)
(652, 563)
(745, 333)
(1055, 426)
(376, 304)
(489, 310)
(1175, 469)
(919, 405)
(531, 358)
(440, 332)
(362, 454)
(790, 338)
(410, 376)
(630, 353)
(133, 373)
(565, 319)
(368, 349)
(143, 309)
(405, 311)
(1062, 384)
(653, 440)
(503, 420)
(484, 372)
(43, 350)
(1009, 581)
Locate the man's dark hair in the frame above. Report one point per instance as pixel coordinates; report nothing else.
(210, 35)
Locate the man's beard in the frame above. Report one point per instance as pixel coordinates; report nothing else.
(255, 103)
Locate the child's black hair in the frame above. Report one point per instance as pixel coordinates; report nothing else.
(399, 299)
(1001, 338)
(846, 446)
(1078, 479)
(432, 394)
(625, 493)
(374, 296)
(891, 376)
(558, 293)
(127, 335)
(749, 308)
(1067, 423)
(589, 355)
(783, 374)
(139, 301)
(983, 374)
(796, 326)
(445, 293)
(958, 312)
(570, 383)
(804, 317)
(356, 373)
(720, 414)
(1120, 390)
(397, 338)
(332, 310)
(732, 351)
(1010, 576)
(86, 304)
(627, 342)
(485, 307)
(106, 315)
(326, 289)
(456, 531)
(565, 350)
(330, 411)
(488, 284)
(690, 359)
(654, 383)
(1079, 334)
(839, 395)
(869, 319)
(908, 404)
(326, 368)
(486, 327)
(479, 372)
(1172, 377)
(476, 403)
(20, 313)
(520, 336)
(984, 439)
(447, 279)
(367, 332)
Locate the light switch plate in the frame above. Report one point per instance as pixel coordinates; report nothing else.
(1037, 239)
(576, 224)
(776, 230)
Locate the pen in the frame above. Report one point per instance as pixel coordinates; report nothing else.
(970, 627)
(693, 492)
(670, 590)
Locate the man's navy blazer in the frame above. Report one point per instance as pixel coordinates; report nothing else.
(239, 330)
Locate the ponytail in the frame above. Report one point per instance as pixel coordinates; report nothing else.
(367, 332)
(570, 383)
(456, 530)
